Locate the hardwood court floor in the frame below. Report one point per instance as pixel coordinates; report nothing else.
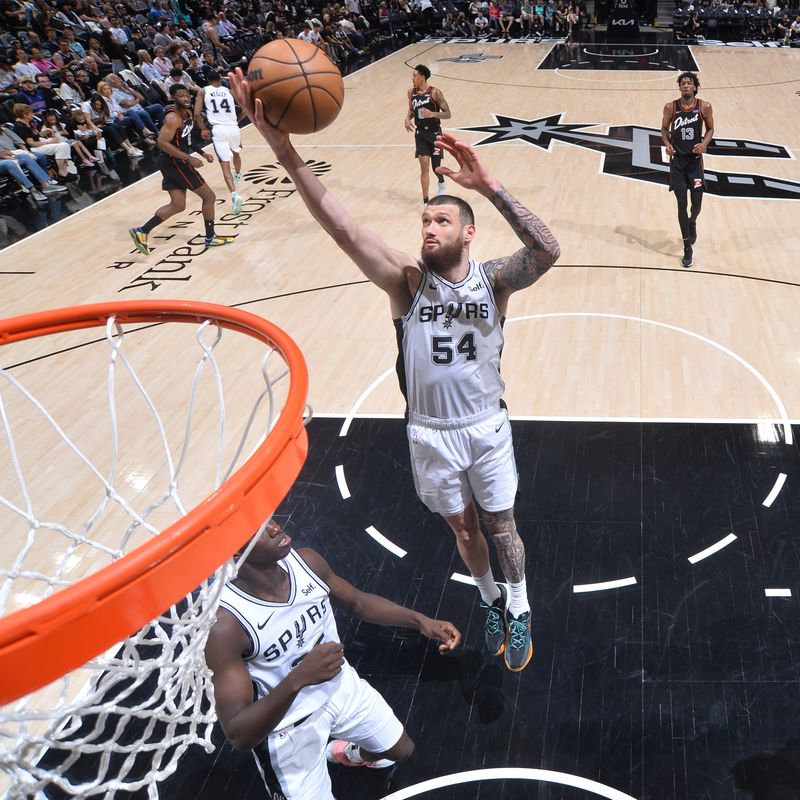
(662, 688)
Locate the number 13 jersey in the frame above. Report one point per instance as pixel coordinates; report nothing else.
(449, 346)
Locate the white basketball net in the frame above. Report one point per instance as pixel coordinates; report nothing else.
(122, 721)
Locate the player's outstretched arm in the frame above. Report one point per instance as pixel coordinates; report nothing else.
(383, 265)
(244, 721)
(540, 250)
(377, 609)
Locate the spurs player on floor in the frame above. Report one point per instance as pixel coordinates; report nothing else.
(448, 310)
(282, 685)
(220, 111)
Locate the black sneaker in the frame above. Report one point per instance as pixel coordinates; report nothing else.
(692, 231)
(519, 647)
(495, 627)
(686, 261)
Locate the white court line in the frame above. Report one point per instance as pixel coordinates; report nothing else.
(362, 397)
(567, 74)
(340, 479)
(770, 499)
(778, 592)
(459, 578)
(506, 774)
(384, 542)
(714, 548)
(581, 588)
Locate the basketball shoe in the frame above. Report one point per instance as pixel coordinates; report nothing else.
(140, 240)
(347, 753)
(686, 261)
(495, 627)
(441, 189)
(237, 177)
(519, 647)
(218, 241)
(236, 200)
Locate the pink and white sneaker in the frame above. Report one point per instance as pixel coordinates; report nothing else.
(347, 754)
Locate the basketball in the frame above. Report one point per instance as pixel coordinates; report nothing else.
(301, 89)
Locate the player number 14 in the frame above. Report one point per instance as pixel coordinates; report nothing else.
(443, 351)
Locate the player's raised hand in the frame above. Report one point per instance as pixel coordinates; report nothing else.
(240, 87)
(324, 662)
(445, 633)
(472, 172)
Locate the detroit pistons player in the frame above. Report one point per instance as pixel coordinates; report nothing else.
(682, 126)
(426, 109)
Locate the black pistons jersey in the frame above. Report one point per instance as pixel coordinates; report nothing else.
(687, 127)
(182, 138)
(420, 100)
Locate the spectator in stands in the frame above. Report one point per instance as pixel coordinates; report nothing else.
(64, 56)
(162, 63)
(159, 14)
(83, 130)
(506, 18)
(69, 19)
(177, 75)
(356, 37)
(481, 23)
(209, 31)
(115, 48)
(147, 68)
(691, 25)
(14, 156)
(25, 128)
(164, 37)
(494, 16)
(88, 77)
(8, 81)
(72, 43)
(54, 130)
(22, 67)
(51, 40)
(225, 28)
(195, 70)
(146, 118)
(52, 98)
(115, 131)
(12, 13)
(30, 94)
(794, 30)
(99, 55)
(210, 60)
(69, 90)
(142, 123)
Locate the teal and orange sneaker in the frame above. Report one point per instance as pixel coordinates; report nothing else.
(495, 626)
(140, 240)
(519, 647)
(218, 241)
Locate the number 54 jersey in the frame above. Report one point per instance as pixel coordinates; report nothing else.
(449, 346)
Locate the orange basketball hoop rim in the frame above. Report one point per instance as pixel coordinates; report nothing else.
(41, 643)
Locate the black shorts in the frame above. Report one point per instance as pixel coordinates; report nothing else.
(425, 142)
(179, 175)
(686, 173)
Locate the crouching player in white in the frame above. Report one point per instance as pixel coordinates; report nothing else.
(220, 111)
(275, 631)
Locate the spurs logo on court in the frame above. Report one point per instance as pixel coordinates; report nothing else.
(274, 173)
(470, 58)
(636, 153)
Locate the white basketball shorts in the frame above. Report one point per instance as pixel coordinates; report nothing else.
(292, 760)
(456, 460)
(227, 140)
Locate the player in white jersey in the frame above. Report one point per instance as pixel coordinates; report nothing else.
(275, 634)
(220, 112)
(449, 312)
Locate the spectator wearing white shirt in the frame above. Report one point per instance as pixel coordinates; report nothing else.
(147, 68)
(162, 63)
(23, 68)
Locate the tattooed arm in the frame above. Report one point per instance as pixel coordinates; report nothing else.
(540, 250)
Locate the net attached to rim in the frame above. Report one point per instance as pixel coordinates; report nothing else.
(134, 465)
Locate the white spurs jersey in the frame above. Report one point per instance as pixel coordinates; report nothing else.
(282, 634)
(219, 105)
(449, 346)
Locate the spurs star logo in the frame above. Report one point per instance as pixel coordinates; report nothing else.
(636, 153)
(470, 58)
(272, 174)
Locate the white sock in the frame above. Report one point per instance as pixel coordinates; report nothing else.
(487, 586)
(518, 598)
